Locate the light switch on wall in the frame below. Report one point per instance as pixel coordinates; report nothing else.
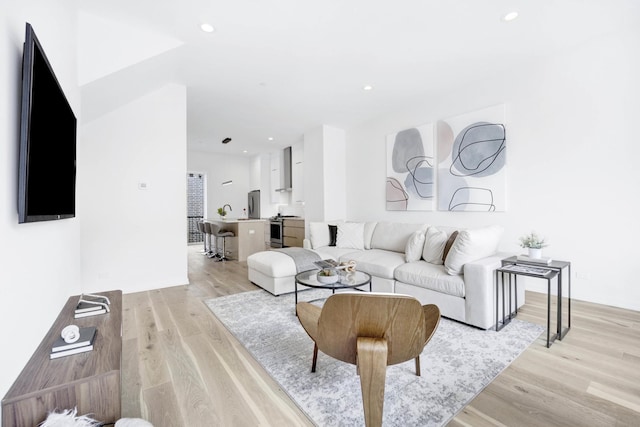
(143, 186)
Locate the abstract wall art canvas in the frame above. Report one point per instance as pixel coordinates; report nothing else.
(471, 161)
(411, 169)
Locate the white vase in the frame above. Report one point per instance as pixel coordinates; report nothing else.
(535, 253)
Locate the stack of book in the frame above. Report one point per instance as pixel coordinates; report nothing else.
(326, 263)
(91, 305)
(84, 343)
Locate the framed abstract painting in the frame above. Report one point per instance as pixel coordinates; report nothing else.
(410, 169)
(471, 161)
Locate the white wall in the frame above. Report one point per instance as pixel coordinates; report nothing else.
(108, 45)
(325, 174)
(572, 161)
(220, 168)
(135, 239)
(39, 262)
(335, 166)
(255, 175)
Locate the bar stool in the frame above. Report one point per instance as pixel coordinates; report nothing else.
(200, 226)
(217, 232)
(207, 240)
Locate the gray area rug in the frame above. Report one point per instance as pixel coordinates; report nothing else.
(457, 363)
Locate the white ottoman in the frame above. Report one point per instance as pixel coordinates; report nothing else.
(273, 271)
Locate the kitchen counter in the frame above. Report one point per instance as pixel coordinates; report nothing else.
(234, 220)
(248, 236)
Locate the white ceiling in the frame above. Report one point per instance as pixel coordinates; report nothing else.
(277, 68)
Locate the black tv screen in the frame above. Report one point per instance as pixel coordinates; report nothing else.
(47, 163)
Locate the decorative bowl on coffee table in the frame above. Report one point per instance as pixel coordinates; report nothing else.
(327, 278)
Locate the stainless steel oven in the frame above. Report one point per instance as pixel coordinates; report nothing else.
(276, 232)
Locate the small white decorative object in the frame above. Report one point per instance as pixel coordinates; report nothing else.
(349, 266)
(327, 276)
(70, 334)
(69, 418)
(535, 253)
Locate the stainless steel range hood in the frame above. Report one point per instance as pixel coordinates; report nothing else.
(286, 168)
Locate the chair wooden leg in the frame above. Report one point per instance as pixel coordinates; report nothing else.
(372, 366)
(418, 366)
(315, 357)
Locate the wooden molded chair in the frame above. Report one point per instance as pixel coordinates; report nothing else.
(370, 331)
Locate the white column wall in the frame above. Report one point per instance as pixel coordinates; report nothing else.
(335, 164)
(39, 262)
(572, 159)
(325, 174)
(314, 175)
(135, 239)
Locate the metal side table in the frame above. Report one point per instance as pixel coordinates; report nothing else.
(511, 267)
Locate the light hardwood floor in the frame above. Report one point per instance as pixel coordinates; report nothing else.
(180, 366)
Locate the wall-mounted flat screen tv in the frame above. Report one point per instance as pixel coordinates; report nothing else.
(47, 155)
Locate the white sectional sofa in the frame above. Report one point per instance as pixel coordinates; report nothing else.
(408, 259)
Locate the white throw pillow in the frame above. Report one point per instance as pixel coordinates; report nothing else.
(319, 234)
(393, 236)
(350, 235)
(414, 246)
(471, 245)
(434, 242)
(369, 228)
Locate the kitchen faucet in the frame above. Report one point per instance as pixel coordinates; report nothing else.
(230, 210)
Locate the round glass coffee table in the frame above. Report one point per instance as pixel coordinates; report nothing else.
(347, 281)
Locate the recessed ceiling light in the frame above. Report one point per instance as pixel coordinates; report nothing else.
(270, 138)
(367, 87)
(207, 28)
(510, 16)
(245, 151)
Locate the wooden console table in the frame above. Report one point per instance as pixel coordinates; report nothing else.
(90, 381)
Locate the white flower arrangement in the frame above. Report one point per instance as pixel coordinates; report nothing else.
(533, 241)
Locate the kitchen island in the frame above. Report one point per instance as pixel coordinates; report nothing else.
(248, 236)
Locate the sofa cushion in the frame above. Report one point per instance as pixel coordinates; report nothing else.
(333, 252)
(415, 244)
(376, 262)
(448, 244)
(333, 234)
(272, 264)
(319, 234)
(430, 276)
(369, 228)
(471, 245)
(434, 242)
(393, 236)
(350, 235)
